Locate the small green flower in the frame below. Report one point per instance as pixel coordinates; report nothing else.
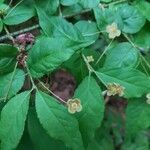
(148, 101)
(113, 30)
(148, 98)
(1, 12)
(115, 89)
(74, 105)
(90, 59)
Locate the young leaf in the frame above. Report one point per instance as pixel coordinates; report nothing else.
(135, 82)
(93, 108)
(12, 121)
(137, 116)
(35, 131)
(20, 13)
(121, 55)
(46, 55)
(58, 123)
(11, 83)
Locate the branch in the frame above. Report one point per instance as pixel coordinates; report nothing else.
(37, 26)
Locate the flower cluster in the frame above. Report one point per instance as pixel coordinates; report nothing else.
(25, 38)
(115, 89)
(74, 105)
(113, 30)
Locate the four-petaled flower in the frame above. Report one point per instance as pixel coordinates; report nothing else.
(113, 30)
(74, 105)
(90, 59)
(115, 89)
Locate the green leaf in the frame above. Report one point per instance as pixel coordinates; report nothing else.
(77, 67)
(133, 20)
(144, 7)
(46, 55)
(91, 116)
(3, 6)
(137, 116)
(135, 82)
(7, 65)
(49, 6)
(1, 25)
(57, 26)
(105, 17)
(58, 123)
(35, 130)
(1, 1)
(89, 3)
(140, 142)
(7, 50)
(12, 121)
(142, 38)
(68, 2)
(122, 55)
(60, 28)
(105, 143)
(72, 10)
(20, 13)
(8, 55)
(88, 29)
(11, 83)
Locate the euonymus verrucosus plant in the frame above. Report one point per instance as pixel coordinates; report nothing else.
(105, 44)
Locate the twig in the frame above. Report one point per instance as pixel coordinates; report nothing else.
(107, 99)
(106, 49)
(118, 2)
(13, 8)
(52, 92)
(87, 64)
(139, 50)
(19, 32)
(8, 34)
(2, 38)
(32, 81)
(9, 5)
